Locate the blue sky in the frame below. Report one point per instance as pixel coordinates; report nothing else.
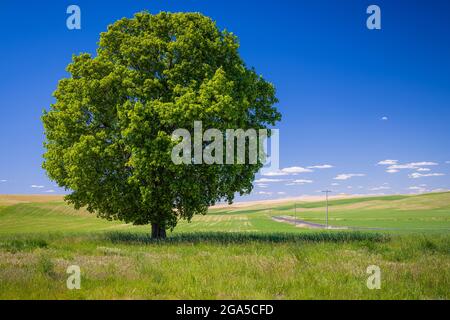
(335, 80)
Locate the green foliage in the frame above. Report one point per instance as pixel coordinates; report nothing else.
(46, 266)
(17, 245)
(108, 136)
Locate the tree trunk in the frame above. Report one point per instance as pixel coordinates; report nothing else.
(158, 232)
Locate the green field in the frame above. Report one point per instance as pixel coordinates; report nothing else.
(238, 252)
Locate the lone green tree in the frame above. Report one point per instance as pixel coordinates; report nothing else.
(109, 133)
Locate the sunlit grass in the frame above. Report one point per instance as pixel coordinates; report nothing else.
(218, 266)
(229, 254)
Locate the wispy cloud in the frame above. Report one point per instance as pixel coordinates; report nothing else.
(287, 171)
(50, 191)
(262, 185)
(274, 173)
(3, 180)
(417, 175)
(299, 182)
(402, 166)
(392, 171)
(37, 186)
(346, 176)
(413, 165)
(265, 193)
(387, 162)
(321, 166)
(303, 181)
(293, 170)
(394, 166)
(384, 118)
(268, 180)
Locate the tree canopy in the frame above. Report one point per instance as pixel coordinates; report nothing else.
(108, 135)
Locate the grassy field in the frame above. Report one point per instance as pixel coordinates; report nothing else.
(230, 253)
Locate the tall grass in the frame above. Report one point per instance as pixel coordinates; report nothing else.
(16, 245)
(238, 237)
(313, 265)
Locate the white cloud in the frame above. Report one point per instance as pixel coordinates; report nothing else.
(335, 184)
(384, 118)
(294, 170)
(287, 171)
(424, 169)
(303, 181)
(392, 171)
(265, 193)
(447, 162)
(262, 185)
(281, 192)
(266, 180)
(423, 164)
(417, 175)
(50, 191)
(401, 166)
(37, 186)
(321, 166)
(411, 166)
(346, 176)
(3, 180)
(299, 182)
(387, 162)
(274, 173)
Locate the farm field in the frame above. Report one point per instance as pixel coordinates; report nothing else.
(231, 253)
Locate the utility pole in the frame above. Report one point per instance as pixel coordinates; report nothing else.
(295, 212)
(326, 193)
